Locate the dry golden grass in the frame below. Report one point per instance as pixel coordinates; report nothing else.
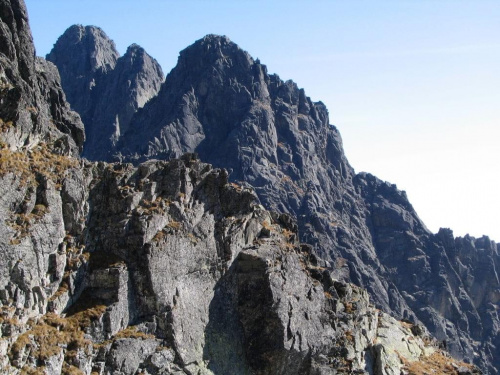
(159, 236)
(237, 187)
(4, 126)
(33, 371)
(288, 234)
(192, 238)
(68, 369)
(158, 206)
(175, 225)
(436, 363)
(349, 336)
(63, 288)
(349, 308)
(266, 225)
(28, 166)
(52, 333)
(133, 333)
(39, 161)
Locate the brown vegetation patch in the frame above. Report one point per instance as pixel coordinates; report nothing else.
(267, 226)
(49, 336)
(4, 126)
(159, 236)
(158, 206)
(27, 164)
(436, 363)
(53, 333)
(132, 332)
(237, 187)
(175, 225)
(350, 308)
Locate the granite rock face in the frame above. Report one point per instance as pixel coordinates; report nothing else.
(169, 267)
(104, 87)
(32, 103)
(175, 270)
(223, 105)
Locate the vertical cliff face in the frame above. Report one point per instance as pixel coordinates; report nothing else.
(223, 105)
(450, 283)
(103, 87)
(165, 267)
(173, 267)
(32, 104)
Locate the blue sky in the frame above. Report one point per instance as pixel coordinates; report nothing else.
(413, 86)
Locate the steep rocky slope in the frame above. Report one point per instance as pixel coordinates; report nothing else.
(223, 105)
(32, 104)
(177, 271)
(166, 267)
(103, 87)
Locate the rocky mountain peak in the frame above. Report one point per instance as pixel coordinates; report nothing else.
(82, 54)
(179, 267)
(91, 46)
(103, 87)
(223, 105)
(211, 49)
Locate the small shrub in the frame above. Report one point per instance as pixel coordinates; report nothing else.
(175, 225)
(159, 236)
(349, 307)
(133, 332)
(4, 126)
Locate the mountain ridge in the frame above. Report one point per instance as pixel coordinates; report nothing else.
(127, 268)
(223, 105)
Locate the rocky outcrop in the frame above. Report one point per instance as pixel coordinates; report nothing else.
(222, 104)
(103, 87)
(450, 283)
(32, 103)
(176, 270)
(170, 267)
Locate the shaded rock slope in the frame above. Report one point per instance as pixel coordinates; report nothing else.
(168, 267)
(32, 103)
(103, 87)
(164, 267)
(223, 105)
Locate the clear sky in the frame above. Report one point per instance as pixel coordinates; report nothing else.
(413, 86)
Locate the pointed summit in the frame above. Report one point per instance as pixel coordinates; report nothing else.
(89, 45)
(82, 54)
(214, 51)
(103, 87)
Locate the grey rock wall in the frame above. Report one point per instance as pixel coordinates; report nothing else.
(172, 267)
(175, 270)
(223, 105)
(32, 103)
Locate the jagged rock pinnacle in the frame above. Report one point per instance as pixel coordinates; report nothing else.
(103, 87)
